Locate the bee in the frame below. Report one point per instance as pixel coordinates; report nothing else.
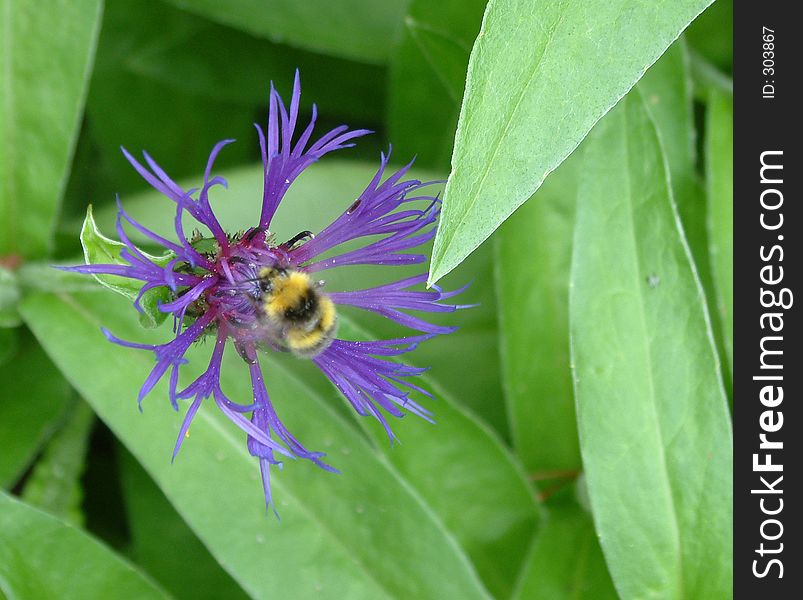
(292, 305)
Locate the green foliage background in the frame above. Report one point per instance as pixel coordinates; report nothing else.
(582, 408)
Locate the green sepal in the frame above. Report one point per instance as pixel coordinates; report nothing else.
(99, 249)
(206, 246)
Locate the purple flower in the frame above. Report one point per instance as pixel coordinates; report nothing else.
(263, 295)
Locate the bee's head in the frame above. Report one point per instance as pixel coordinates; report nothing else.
(269, 277)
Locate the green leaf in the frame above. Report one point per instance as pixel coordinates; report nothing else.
(42, 557)
(9, 344)
(712, 35)
(34, 400)
(535, 87)
(177, 128)
(9, 297)
(460, 468)
(47, 54)
(565, 560)
(360, 30)
(427, 76)
(666, 88)
(533, 262)
(98, 249)
(187, 571)
(719, 176)
(655, 430)
(55, 484)
(533, 256)
(707, 76)
(361, 534)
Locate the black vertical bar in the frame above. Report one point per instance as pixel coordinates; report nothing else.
(768, 562)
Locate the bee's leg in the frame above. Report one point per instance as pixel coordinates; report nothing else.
(269, 344)
(304, 235)
(254, 232)
(246, 353)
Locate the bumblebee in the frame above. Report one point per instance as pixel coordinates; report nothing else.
(293, 306)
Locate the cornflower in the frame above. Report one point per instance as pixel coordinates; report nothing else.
(264, 296)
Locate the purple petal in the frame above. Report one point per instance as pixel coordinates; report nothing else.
(282, 162)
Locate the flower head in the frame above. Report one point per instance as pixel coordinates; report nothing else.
(264, 295)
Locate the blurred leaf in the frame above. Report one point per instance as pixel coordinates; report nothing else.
(42, 276)
(9, 297)
(421, 116)
(719, 176)
(360, 534)
(47, 53)
(98, 249)
(356, 29)
(706, 76)
(712, 34)
(42, 557)
(565, 561)
(533, 256)
(55, 484)
(9, 344)
(652, 412)
(125, 109)
(34, 400)
(314, 200)
(459, 468)
(187, 570)
(536, 85)
(666, 89)
(198, 59)
(427, 75)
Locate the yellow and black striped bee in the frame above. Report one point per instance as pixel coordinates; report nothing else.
(293, 305)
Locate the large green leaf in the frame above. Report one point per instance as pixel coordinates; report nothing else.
(655, 431)
(461, 469)
(719, 179)
(187, 571)
(533, 263)
(565, 561)
(42, 557)
(533, 256)
(46, 51)
(666, 88)
(55, 483)
(357, 29)
(360, 534)
(34, 401)
(539, 77)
